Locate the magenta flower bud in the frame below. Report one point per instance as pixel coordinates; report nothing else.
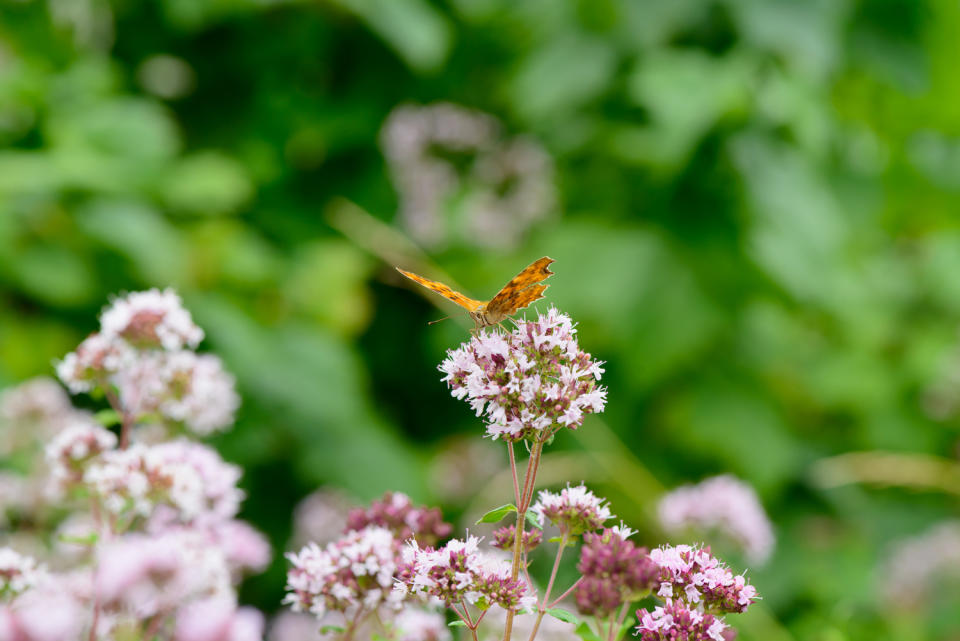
(503, 539)
(396, 512)
(615, 571)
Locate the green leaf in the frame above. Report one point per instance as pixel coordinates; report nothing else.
(494, 516)
(532, 520)
(457, 624)
(584, 632)
(107, 417)
(327, 629)
(563, 615)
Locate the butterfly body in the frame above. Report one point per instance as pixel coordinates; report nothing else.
(523, 289)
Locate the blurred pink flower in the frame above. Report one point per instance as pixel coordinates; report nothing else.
(151, 318)
(721, 504)
(218, 619)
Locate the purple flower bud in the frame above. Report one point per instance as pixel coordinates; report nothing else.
(396, 512)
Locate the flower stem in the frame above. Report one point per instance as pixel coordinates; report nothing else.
(564, 595)
(529, 482)
(546, 595)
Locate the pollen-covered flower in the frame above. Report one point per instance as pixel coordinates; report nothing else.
(460, 572)
(72, 449)
(503, 538)
(614, 570)
(676, 621)
(574, 510)
(693, 575)
(721, 504)
(151, 319)
(354, 572)
(18, 573)
(530, 382)
(397, 513)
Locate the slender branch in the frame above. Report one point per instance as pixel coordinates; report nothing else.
(529, 483)
(546, 595)
(513, 470)
(126, 421)
(565, 594)
(620, 617)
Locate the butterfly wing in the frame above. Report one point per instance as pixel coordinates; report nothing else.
(523, 289)
(467, 303)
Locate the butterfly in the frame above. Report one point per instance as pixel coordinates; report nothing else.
(523, 289)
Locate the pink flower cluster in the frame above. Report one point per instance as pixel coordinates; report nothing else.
(676, 621)
(694, 575)
(349, 575)
(574, 510)
(505, 186)
(503, 538)
(143, 353)
(722, 504)
(146, 540)
(189, 477)
(458, 573)
(614, 570)
(18, 573)
(397, 513)
(530, 382)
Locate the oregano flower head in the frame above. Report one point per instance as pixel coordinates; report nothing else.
(528, 383)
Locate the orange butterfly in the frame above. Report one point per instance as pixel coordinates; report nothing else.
(523, 289)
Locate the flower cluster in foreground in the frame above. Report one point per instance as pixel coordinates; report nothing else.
(144, 354)
(530, 382)
(459, 572)
(697, 589)
(140, 530)
(574, 510)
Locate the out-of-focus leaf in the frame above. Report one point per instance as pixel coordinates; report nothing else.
(496, 515)
(585, 64)
(153, 246)
(54, 275)
(207, 183)
(413, 28)
(328, 280)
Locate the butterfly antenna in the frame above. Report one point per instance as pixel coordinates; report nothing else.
(433, 322)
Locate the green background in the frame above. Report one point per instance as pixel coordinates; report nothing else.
(756, 229)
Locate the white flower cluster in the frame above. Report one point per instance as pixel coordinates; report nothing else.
(188, 476)
(18, 573)
(721, 504)
(145, 350)
(574, 509)
(151, 317)
(460, 572)
(356, 572)
(530, 382)
(71, 449)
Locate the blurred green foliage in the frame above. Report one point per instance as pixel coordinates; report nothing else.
(757, 230)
